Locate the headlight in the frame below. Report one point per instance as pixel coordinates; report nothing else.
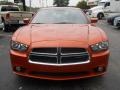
(100, 46)
(90, 12)
(18, 46)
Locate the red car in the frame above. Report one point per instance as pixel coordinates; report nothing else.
(60, 43)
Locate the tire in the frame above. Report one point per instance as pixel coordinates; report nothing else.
(6, 28)
(3, 27)
(100, 16)
(116, 25)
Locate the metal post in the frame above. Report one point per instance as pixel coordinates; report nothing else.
(42, 3)
(24, 5)
(46, 4)
(30, 4)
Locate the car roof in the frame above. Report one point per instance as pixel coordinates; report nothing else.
(8, 5)
(60, 8)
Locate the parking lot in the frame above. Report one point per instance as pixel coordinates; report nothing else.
(110, 81)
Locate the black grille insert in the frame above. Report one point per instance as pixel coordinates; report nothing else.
(59, 55)
(43, 59)
(45, 50)
(72, 50)
(74, 59)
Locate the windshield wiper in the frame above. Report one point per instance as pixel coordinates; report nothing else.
(55, 23)
(37, 23)
(64, 23)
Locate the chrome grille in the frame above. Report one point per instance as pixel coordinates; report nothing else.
(59, 56)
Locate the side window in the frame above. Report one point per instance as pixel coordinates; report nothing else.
(3, 9)
(9, 9)
(107, 4)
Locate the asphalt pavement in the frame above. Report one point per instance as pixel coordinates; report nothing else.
(110, 81)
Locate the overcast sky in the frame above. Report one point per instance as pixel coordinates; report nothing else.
(36, 3)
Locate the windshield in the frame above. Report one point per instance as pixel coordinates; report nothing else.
(60, 16)
(9, 8)
(101, 3)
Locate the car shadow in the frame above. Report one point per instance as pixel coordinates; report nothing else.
(83, 84)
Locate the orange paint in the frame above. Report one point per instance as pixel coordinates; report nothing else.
(63, 36)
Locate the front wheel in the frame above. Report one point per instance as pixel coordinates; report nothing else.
(6, 27)
(100, 16)
(116, 24)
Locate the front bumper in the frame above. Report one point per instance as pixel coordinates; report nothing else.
(59, 72)
(91, 15)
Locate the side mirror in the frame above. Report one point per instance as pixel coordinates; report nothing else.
(94, 20)
(107, 4)
(26, 21)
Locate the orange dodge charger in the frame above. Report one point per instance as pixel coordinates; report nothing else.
(59, 43)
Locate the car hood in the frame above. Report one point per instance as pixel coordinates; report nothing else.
(58, 34)
(96, 8)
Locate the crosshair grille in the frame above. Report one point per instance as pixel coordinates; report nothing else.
(59, 55)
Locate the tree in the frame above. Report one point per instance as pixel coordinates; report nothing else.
(61, 3)
(83, 5)
(6, 3)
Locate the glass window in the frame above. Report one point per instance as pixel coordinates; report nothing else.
(60, 16)
(9, 8)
